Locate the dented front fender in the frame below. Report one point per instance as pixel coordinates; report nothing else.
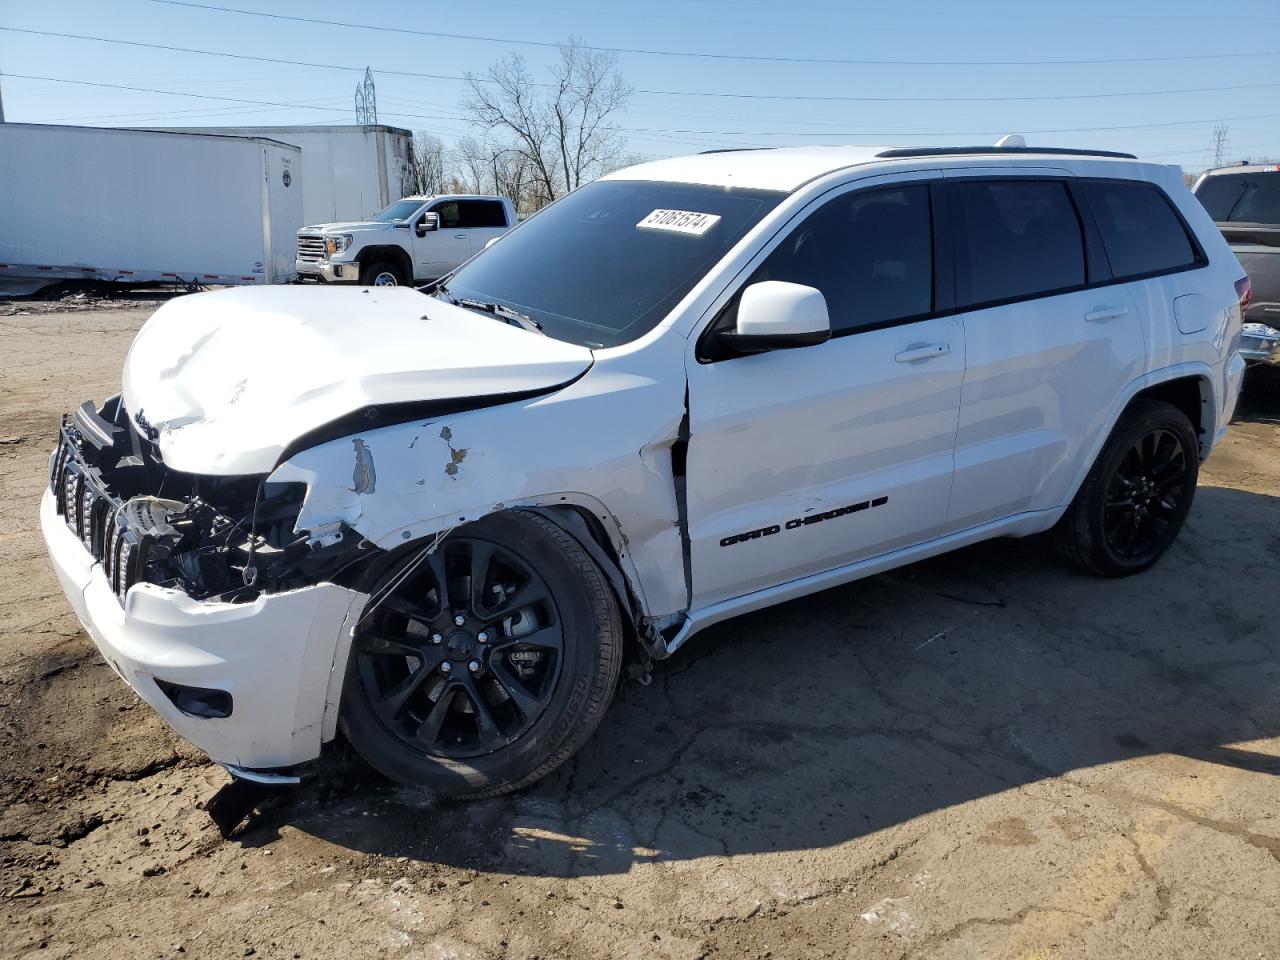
(602, 444)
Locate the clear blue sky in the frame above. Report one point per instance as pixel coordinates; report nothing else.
(917, 30)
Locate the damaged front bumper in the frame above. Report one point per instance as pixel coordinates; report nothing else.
(279, 658)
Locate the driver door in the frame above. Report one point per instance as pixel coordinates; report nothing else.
(807, 459)
(439, 251)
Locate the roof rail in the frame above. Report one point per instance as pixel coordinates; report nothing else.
(903, 152)
(703, 153)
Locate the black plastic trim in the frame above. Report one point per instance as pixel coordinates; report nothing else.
(898, 153)
(94, 428)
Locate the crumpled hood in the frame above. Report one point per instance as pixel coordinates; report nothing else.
(225, 381)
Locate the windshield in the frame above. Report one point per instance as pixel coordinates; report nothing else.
(398, 211)
(1242, 197)
(606, 263)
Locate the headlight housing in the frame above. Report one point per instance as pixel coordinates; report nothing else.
(336, 244)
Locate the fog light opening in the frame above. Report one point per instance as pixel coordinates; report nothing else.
(199, 702)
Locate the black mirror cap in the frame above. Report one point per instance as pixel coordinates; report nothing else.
(734, 344)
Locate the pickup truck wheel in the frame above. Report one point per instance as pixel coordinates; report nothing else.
(1137, 495)
(488, 663)
(381, 275)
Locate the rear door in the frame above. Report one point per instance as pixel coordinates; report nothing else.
(1046, 355)
(803, 460)
(483, 220)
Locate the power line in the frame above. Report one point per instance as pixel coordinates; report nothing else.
(513, 41)
(670, 130)
(729, 95)
(207, 96)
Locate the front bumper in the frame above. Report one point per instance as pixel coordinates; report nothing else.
(281, 657)
(1260, 343)
(328, 271)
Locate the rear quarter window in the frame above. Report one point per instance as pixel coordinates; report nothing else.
(1140, 231)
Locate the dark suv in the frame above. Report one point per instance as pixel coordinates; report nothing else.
(1244, 201)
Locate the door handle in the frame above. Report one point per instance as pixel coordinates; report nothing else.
(459, 236)
(923, 351)
(1103, 314)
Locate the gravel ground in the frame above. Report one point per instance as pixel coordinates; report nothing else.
(986, 755)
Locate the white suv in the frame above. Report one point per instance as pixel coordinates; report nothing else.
(684, 392)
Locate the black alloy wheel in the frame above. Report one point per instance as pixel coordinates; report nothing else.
(1137, 495)
(1144, 495)
(460, 660)
(485, 664)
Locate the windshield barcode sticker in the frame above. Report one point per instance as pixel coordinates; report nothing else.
(680, 221)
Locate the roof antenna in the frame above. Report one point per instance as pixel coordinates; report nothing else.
(1011, 140)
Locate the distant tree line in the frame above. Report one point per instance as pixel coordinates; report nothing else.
(535, 139)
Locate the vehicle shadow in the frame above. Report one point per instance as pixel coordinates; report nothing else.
(1260, 395)
(829, 718)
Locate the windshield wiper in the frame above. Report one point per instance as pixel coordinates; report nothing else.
(501, 311)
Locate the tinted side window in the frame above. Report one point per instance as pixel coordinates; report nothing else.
(1016, 239)
(450, 216)
(1140, 231)
(870, 253)
(481, 213)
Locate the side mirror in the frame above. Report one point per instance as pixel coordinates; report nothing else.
(429, 222)
(775, 315)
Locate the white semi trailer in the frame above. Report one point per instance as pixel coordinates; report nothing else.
(139, 206)
(352, 171)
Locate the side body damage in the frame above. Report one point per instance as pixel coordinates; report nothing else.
(572, 449)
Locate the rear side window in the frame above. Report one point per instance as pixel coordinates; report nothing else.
(481, 213)
(870, 253)
(1016, 239)
(1140, 230)
(1242, 197)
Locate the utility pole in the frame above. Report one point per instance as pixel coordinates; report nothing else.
(1219, 144)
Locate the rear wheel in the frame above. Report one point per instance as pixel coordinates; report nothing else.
(382, 275)
(1138, 494)
(488, 663)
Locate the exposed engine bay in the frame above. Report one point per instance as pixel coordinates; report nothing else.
(227, 538)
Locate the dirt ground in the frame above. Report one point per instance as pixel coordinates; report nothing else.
(986, 755)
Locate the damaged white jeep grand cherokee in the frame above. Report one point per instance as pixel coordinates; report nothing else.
(684, 392)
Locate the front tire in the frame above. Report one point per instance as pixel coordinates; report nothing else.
(1136, 497)
(489, 662)
(382, 275)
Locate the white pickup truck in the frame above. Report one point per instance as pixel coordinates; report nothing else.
(416, 239)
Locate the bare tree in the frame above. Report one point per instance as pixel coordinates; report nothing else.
(562, 130)
(428, 169)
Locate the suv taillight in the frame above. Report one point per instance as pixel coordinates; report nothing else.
(1244, 290)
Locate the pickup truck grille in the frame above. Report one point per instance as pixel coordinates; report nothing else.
(92, 514)
(310, 246)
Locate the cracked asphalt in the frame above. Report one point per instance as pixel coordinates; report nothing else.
(986, 755)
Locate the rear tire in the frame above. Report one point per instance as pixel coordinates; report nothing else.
(382, 274)
(1136, 497)
(544, 673)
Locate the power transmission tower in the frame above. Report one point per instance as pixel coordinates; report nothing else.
(1219, 144)
(366, 100)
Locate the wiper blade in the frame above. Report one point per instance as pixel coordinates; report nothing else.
(502, 312)
(442, 288)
